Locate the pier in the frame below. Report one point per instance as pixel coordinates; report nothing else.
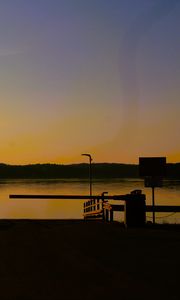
(94, 258)
(99, 206)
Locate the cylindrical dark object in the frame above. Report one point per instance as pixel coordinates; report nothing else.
(106, 215)
(135, 211)
(111, 215)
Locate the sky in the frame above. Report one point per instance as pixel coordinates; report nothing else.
(89, 76)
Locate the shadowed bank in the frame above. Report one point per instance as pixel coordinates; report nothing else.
(72, 259)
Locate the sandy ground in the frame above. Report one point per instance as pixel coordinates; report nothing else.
(87, 260)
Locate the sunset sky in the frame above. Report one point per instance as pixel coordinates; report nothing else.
(89, 76)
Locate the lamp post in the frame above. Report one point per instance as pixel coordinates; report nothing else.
(90, 172)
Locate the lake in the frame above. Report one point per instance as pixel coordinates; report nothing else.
(169, 194)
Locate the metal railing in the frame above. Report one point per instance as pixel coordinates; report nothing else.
(98, 206)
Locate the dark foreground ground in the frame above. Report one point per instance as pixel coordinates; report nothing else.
(87, 260)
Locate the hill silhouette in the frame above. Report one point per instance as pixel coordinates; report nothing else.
(99, 170)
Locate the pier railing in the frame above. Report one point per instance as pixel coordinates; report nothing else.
(93, 209)
(99, 207)
(109, 209)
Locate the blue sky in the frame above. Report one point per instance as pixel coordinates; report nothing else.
(89, 76)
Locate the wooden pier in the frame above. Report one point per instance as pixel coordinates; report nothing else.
(107, 210)
(99, 207)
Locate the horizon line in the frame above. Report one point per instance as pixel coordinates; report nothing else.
(78, 163)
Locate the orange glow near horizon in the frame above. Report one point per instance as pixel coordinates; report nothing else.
(80, 78)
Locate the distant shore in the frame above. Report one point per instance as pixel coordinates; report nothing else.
(99, 170)
(77, 259)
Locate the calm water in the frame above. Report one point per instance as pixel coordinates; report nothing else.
(13, 208)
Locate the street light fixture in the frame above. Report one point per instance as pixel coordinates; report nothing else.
(90, 172)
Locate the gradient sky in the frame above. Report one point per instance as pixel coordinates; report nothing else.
(95, 76)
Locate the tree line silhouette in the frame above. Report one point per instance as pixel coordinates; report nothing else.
(99, 170)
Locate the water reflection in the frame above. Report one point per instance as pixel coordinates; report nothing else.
(9, 208)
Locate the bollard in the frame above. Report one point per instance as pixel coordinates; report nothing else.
(135, 210)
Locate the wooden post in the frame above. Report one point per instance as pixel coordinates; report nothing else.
(153, 205)
(111, 215)
(107, 215)
(102, 205)
(97, 204)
